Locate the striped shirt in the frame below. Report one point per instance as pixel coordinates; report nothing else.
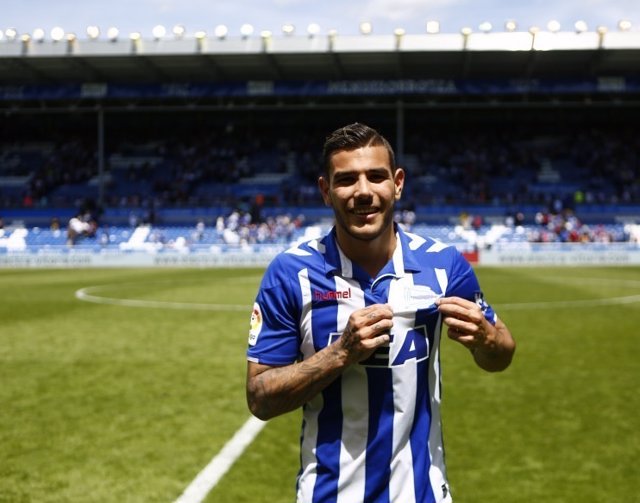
(374, 434)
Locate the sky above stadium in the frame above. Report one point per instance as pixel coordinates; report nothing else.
(341, 15)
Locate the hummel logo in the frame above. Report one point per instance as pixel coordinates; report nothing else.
(343, 294)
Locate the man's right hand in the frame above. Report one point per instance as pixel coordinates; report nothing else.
(367, 329)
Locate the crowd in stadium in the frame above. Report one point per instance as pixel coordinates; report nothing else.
(477, 167)
(557, 171)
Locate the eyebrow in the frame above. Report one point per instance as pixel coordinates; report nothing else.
(374, 171)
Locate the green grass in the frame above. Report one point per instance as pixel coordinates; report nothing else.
(109, 403)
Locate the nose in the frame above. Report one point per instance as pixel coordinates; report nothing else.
(363, 188)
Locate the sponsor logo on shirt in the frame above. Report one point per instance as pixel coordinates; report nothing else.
(332, 295)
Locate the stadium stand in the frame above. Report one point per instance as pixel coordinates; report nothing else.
(498, 145)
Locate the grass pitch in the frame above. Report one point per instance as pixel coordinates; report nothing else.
(126, 402)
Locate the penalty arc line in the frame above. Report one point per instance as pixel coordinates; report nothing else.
(207, 479)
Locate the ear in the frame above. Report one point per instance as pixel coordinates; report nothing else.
(323, 185)
(398, 181)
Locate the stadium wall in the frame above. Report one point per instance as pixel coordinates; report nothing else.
(529, 254)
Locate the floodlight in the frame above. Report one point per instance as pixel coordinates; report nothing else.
(71, 37)
(624, 25)
(221, 31)
(57, 34)
(135, 36)
(533, 30)
(158, 31)
(602, 30)
(288, 29)
(93, 32)
(178, 31)
(266, 34)
(366, 28)
(313, 29)
(200, 35)
(1, 34)
(25, 37)
(485, 27)
(553, 26)
(38, 34)
(11, 33)
(433, 27)
(113, 33)
(510, 25)
(246, 30)
(466, 31)
(580, 26)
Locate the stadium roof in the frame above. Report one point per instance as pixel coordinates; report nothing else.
(523, 55)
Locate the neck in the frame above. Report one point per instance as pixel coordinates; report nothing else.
(371, 255)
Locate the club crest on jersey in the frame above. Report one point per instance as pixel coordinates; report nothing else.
(256, 324)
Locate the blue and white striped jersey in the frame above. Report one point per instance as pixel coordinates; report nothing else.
(374, 434)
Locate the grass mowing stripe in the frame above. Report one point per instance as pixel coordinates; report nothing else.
(220, 464)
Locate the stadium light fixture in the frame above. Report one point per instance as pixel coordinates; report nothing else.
(534, 30)
(485, 27)
(221, 31)
(246, 30)
(465, 32)
(366, 28)
(200, 35)
(433, 27)
(135, 36)
(11, 33)
(1, 34)
(266, 35)
(602, 31)
(553, 26)
(398, 33)
(313, 29)
(624, 25)
(57, 34)
(288, 29)
(38, 35)
(71, 40)
(158, 32)
(178, 31)
(113, 33)
(93, 32)
(580, 26)
(26, 38)
(510, 25)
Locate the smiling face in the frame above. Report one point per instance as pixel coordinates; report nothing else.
(362, 190)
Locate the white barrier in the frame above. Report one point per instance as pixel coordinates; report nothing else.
(507, 254)
(137, 259)
(561, 254)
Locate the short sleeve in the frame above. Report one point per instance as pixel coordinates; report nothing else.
(464, 283)
(274, 333)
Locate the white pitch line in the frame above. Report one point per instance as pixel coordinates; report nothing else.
(607, 301)
(83, 294)
(207, 479)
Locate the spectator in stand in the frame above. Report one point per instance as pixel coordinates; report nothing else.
(80, 226)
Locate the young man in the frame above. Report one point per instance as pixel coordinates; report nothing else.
(348, 327)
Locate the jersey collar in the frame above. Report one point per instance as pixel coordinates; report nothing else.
(402, 261)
